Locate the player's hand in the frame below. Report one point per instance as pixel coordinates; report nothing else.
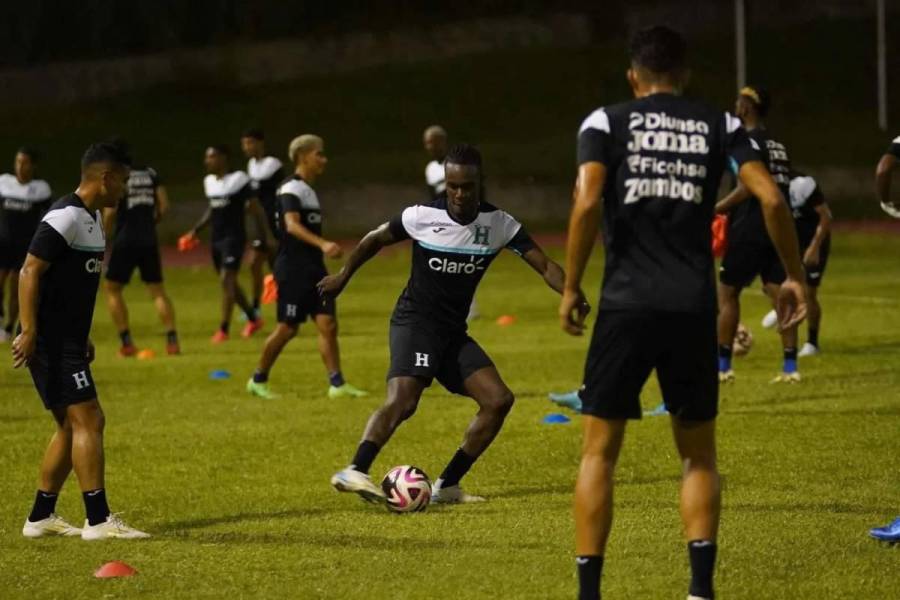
(573, 309)
(812, 256)
(790, 304)
(332, 285)
(23, 349)
(332, 250)
(91, 352)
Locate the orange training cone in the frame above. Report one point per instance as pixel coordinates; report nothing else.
(115, 568)
(505, 320)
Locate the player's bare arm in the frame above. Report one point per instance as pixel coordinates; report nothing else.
(254, 207)
(202, 223)
(584, 223)
(29, 287)
(791, 303)
(883, 178)
(162, 202)
(368, 247)
(736, 196)
(812, 256)
(552, 274)
(295, 227)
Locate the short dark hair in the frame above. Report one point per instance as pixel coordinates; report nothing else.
(464, 154)
(658, 49)
(254, 132)
(760, 98)
(222, 149)
(30, 152)
(105, 152)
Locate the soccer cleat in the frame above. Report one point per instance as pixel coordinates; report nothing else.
(787, 378)
(351, 480)
(808, 350)
(345, 391)
(52, 525)
(112, 528)
(173, 349)
(659, 411)
(570, 400)
(770, 320)
(888, 533)
(219, 337)
(693, 597)
(270, 290)
(252, 327)
(128, 350)
(726, 376)
(260, 389)
(452, 494)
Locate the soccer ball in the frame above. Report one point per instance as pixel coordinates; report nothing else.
(743, 341)
(406, 489)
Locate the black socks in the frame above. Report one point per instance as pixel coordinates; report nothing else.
(95, 506)
(458, 466)
(44, 506)
(814, 337)
(125, 336)
(171, 337)
(590, 568)
(365, 456)
(702, 554)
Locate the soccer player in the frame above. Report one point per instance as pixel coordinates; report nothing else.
(435, 142)
(230, 194)
(750, 253)
(267, 174)
(23, 201)
(883, 173)
(650, 168)
(812, 217)
(135, 246)
(57, 293)
(455, 240)
(299, 266)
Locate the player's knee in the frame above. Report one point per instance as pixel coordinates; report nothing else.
(88, 417)
(327, 326)
(501, 402)
(400, 409)
(288, 330)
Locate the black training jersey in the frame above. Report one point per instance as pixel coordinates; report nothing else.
(296, 256)
(136, 214)
(228, 197)
(266, 173)
(665, 156)
(449, 259)
(71, 239)
(805, 197)
(21, 207)
(745, 222)
(894, 148)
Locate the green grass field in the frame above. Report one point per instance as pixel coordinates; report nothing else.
(235, 489)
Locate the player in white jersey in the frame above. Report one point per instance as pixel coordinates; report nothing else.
(23, 201)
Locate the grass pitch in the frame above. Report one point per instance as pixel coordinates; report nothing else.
(235, 489)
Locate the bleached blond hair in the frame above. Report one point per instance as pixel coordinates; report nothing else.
(304, 144)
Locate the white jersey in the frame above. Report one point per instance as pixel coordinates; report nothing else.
(434, 177)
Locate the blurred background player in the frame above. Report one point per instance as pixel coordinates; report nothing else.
(299, 266)
(23, 201)
(658, 305)
(750, 253)
(135, 246)
(57, 294)
(883, 173)
(266, 172)
(435, 142)
(813, 218)
(455, 240)
(230, 194)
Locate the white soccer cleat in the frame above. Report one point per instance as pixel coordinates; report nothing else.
(787, 378)
(52, 525)
(808, 350)
(452, 495)
(770, 320)
(693, 597)
(113, 528)
(726, 376)
(351, 480)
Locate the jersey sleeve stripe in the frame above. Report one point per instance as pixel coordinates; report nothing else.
(596, 120)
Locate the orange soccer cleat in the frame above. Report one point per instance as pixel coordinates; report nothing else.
(218, 337)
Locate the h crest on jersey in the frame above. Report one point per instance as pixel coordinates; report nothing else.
(482, 235)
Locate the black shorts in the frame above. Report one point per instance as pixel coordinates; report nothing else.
(628, 345)
(298, 299)
(815, 273)
(743, 261)
(451, 359)
(12, 254)
(124, 259)
(228, 253)
(62, 375)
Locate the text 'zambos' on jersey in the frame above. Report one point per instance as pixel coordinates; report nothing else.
(638, 188)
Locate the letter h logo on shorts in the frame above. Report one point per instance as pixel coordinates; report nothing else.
(291, 310)
(422, 359)
(81, 380)
(482, 235)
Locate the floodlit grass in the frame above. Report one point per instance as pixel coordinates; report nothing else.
(235, 489)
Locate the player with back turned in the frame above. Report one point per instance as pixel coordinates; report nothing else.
(651, 167)
(57, 293)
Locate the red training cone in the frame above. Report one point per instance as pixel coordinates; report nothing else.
(505, 320)
(115, 568)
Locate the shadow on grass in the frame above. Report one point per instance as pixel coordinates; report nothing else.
(298, 513)
(569, 488)
(877, 411)
(837, 508)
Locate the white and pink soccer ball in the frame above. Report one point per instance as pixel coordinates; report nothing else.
(406, 489)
